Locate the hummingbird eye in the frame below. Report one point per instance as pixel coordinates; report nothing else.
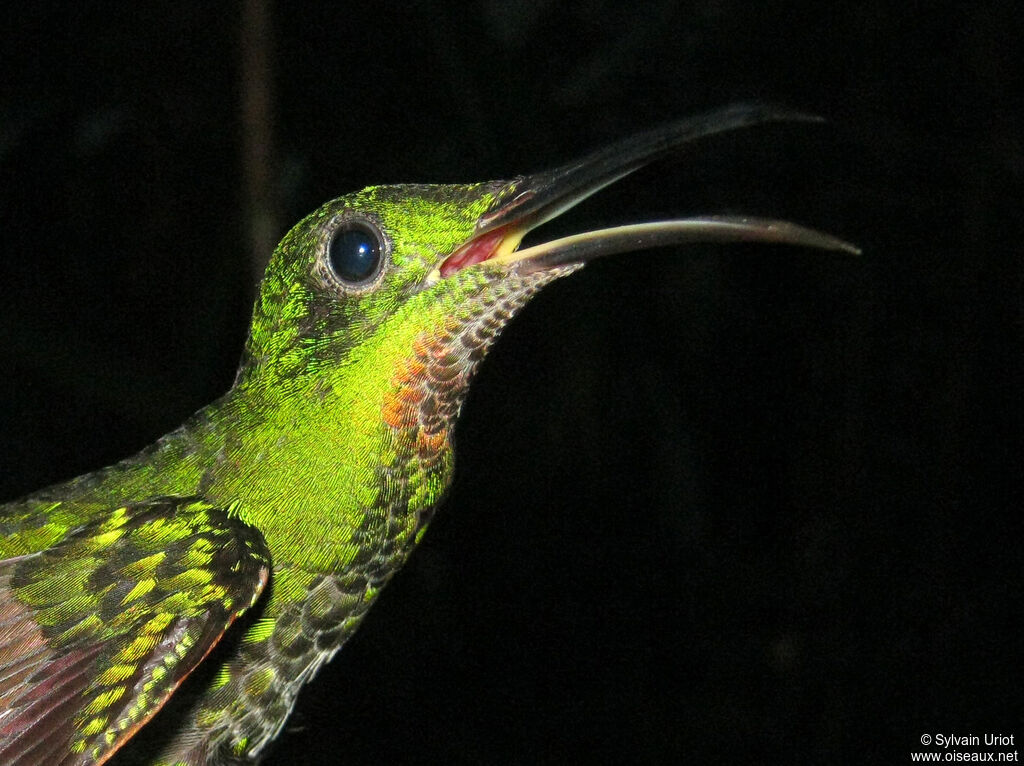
(355, 252)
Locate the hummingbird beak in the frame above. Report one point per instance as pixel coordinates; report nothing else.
(530, 201)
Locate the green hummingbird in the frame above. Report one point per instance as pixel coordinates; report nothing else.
(288, 503)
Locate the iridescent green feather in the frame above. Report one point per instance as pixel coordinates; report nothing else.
(98, 629)
(328, 456)
(299, 450)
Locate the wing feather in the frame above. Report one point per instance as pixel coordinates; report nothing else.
(97, 631)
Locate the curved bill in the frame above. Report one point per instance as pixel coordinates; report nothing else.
(529, 201)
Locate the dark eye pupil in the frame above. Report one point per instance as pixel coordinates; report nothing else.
(354, 253)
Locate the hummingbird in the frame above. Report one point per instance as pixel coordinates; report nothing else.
(254, 538)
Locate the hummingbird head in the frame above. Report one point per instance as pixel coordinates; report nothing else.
(394, 264)
(388, 298)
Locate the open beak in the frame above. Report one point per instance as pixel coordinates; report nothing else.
(528, 202)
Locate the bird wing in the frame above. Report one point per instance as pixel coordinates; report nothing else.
(99, 629)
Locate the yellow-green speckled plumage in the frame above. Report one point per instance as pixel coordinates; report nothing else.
(288, 503)
(327, 456)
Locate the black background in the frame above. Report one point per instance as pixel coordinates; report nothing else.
(749, 504)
